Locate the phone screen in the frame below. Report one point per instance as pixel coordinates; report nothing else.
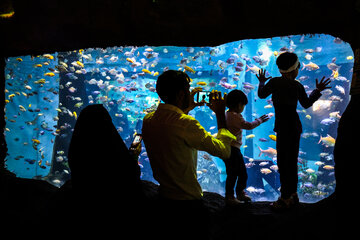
(203, 96)
(136, 141)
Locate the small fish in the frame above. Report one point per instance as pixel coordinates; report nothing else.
(146, 71)
(49, 74)
(272, 137)
(189, 69)
(265, 171)
(75, 115)
(254, 69)
(268, 106)
(327, 121)
(78, 105)
(340, 89)
(328, 140)
(308, 116)
(310, 66)
(270, 152)
(202, 83)
(250, 136)
(328, 167)
(19, 59)
(48, 56)
(309, 170)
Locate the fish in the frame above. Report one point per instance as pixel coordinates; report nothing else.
(48, 56)
(49, 74)
(265, 171)
(268, 106)
(310, 66)
(270, 152)
(227, 85)
(254, 69)
(202, 83)
(328, 167)
(321, 105)
(250, 136)
(340, 89)
(327, 121)
(310, 170)
(189, 69)
(146, 71)
(329, 141)
(272, 137)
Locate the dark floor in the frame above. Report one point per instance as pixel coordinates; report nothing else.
(26, 204)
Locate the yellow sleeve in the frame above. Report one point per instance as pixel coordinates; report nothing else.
(197, 137)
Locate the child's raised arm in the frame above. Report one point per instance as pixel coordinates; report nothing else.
(263, 91)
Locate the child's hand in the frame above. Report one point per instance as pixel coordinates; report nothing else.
(264, 118)
(323, 84)
(261, 76)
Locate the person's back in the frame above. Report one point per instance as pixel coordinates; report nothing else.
(172, 138)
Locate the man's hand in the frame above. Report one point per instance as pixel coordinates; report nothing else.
(323, 84)
(192, 103)
(261, 76)
(218, 104)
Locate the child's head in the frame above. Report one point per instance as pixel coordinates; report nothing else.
(288, 64)
(236, 100)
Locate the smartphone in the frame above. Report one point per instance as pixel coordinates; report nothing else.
(202, 96)
(136, 141)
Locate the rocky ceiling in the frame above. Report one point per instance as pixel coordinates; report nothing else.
(46, 26)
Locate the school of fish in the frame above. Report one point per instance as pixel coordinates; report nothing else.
(123, 79)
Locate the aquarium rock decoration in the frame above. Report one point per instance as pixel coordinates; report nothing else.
(44, 95)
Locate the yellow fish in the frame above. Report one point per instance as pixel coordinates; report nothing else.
(19, 59)
(335, 74)
(146, 71)
(349, 57)
(308, 116)
(38, 65)
(50, 74)
(189, 69)
(40, 81)
(272, 137)
(130, 60)
(11, 95)
(202, 83)
(7, 15)
(35, 141)
(250, 136)
(48, 56)
(80, 64)
(328, 167)
(156, 73)
(75, 115)
(268, 106)
(328, 140)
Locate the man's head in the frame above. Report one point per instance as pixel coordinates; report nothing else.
(173, 88)
(288, 64)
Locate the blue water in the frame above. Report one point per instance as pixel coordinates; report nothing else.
(123, 79)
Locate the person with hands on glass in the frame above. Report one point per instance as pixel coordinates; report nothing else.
(286, 92)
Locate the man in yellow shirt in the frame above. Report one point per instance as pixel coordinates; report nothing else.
(172, 137)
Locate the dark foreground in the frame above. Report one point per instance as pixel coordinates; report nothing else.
(34, 208)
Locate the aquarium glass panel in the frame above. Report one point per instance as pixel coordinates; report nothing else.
(45, 94)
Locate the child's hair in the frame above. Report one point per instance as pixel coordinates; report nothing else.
(169, 83)
(286, 60)
(235, 97)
